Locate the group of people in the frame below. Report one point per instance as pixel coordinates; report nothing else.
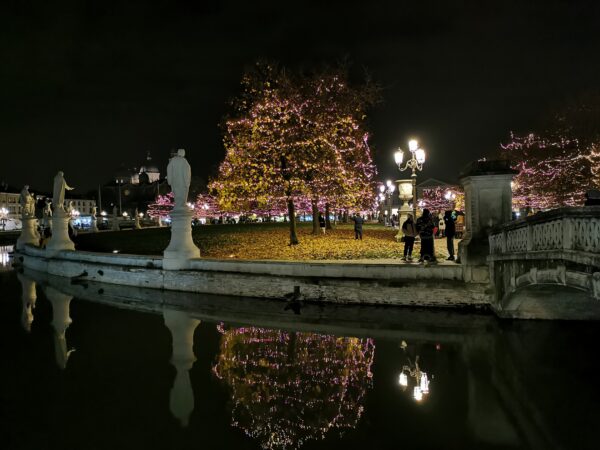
(426, 228)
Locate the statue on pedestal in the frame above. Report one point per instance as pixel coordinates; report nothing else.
(179, 175)
(27, 202)
(48, 209)
(94, 211)
(58, 192)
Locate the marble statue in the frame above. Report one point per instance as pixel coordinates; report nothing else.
(27, 202)
(48, 209)
(94, 211)
(58, 192)
(179, 175)
(70, 207)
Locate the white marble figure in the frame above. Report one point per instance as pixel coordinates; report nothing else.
(70, 207)
(179, 175)
(94, 211)
(47, 209)
(58, 192)
(27, 202)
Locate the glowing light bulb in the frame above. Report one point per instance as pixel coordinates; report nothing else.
(403, 380)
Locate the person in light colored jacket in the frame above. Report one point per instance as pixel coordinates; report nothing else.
(409, 229)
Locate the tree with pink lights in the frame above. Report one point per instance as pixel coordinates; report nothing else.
(162, 207)
(296, 137)
(553, 171)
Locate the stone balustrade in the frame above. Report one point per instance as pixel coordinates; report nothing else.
(564, 229)
(547, 265)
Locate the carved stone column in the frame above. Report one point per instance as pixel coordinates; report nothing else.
(488, 203)
(60, 239)
(181, 247)
(182, 328)
(29, 233)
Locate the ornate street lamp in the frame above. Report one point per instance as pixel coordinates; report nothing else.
(414, 163)
(385, 192)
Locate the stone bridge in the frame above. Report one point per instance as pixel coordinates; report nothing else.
(547, 266)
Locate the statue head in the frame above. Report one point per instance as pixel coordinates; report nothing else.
(60, 173)
(181, 152)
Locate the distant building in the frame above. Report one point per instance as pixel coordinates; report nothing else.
(146, 174)
(9, 201)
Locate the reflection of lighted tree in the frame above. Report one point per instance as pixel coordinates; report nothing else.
(288, 388)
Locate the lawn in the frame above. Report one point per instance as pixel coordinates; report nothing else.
(260, 241)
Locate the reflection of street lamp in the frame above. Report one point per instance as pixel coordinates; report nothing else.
(421, 381)
(414, 163)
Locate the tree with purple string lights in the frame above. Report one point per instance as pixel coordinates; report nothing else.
(553, 171)
(297, 137)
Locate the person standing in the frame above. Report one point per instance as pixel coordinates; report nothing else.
(409, 229)
(450, 225)
(425, 228)
(358, 226)
(322, 223)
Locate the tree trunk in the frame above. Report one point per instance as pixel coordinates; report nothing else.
(345, 216)
(315, 217)
(327, 221)
(291, 214)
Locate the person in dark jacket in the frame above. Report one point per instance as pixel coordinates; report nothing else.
(358, 224)
(322, 223)
(409, 229)
(425, 228)
(450, 224)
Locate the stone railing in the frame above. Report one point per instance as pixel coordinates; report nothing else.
(564, 229)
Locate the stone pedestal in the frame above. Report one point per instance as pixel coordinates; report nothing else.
(28, 299)
(29, 233)
(181, 248)
(60, 322)
(488, 203)
(60, 233)
(182, 327)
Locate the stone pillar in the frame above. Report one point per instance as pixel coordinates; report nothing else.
(29, 233)
(28, 299)
(60, 239)
(181, 248)
(60, 322)
(488, 203)
(182, 327)
(94, 227)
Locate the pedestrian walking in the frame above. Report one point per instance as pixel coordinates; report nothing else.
(450, 225)
(322, 223)
(358, 226)
(409, 229)
(425, 228)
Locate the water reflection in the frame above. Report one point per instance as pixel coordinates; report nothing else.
(413, 370)
(60, 322)
(28, 298)
(291, 387)
(5, 258)
(182, 327)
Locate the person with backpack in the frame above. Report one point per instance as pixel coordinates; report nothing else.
(425, 228)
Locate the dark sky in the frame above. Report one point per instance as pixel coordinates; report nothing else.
(90, 86)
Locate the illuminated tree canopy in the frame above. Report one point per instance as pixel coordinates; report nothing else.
(553, 172)
(297, 137)
(288, 388)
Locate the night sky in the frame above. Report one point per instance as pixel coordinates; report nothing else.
(88, 87)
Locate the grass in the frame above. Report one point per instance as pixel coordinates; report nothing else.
(260, 241)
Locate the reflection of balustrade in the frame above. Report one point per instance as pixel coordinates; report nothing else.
(565, 229)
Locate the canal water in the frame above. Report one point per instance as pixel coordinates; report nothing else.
(92, 366)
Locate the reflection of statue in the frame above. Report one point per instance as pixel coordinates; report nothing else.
(58, 192)
(288, 388)
(179, 175)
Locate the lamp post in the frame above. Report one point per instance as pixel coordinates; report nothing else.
(415, 163)
(119, 182)
(385, 192)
